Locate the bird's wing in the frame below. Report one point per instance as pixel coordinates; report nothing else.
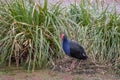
(74, 46)
(76, 50)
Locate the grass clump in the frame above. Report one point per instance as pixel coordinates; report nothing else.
(98, 29)
(29, 34)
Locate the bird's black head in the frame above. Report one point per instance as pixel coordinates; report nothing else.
(63, 37)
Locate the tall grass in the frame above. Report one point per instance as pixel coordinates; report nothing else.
(29, 33)
(98, 29)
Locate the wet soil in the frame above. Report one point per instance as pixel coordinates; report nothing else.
(86, 70)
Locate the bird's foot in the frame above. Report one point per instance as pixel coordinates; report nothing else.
(71, 68)
(67, 69)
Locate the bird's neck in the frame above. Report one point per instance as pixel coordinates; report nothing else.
(66, 46)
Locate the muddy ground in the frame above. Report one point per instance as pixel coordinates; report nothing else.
(86, 70)
(55, 75)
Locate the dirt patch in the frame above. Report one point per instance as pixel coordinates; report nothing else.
(85, 71)
(55, 75)
(81, 67)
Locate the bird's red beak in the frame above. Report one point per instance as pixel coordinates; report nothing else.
(62, 36)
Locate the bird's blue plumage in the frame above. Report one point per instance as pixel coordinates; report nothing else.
(66, 46)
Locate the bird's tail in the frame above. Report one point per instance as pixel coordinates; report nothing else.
(84, 56)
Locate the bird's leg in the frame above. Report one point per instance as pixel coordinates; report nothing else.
(79, 64)
(72, 66)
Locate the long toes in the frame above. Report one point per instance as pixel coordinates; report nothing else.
(68, 69)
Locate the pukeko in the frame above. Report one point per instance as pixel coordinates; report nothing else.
(73, 49)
